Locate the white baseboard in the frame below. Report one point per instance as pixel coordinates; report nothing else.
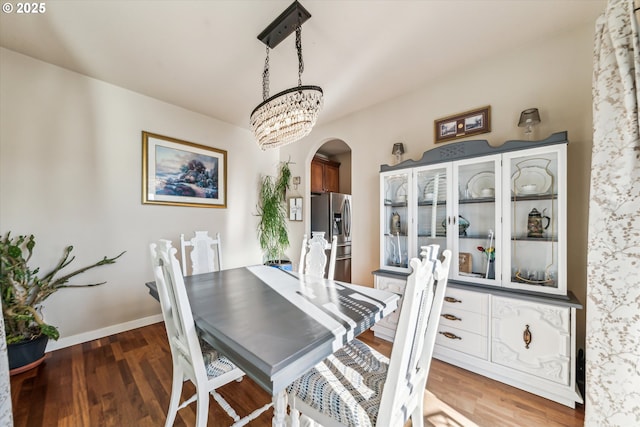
(103, 332)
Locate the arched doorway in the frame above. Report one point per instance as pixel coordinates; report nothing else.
(330, 195)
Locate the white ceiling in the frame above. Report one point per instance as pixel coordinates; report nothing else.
(205, 55)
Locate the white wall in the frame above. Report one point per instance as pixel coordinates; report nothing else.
(70, 173)
(552, 75)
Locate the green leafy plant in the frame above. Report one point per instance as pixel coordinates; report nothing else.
(23, 291)
(272, 209)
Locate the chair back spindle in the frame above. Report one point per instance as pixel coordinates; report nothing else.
(413, 346)
(205, 255)
(313, 256)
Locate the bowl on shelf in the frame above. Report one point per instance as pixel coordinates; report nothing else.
(529, 188)
(487, 192)
(463, 224)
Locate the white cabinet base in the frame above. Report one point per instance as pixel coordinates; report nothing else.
(482, 331)
(565, 395)
(530, 345)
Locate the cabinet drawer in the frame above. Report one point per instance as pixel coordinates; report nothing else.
(460, 299)
(465, 320)
(532, 337)
(463, 341)
(390, 284)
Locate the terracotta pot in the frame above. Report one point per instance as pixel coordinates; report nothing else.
(27, 354)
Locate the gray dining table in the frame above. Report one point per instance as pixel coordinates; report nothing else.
(275, 325)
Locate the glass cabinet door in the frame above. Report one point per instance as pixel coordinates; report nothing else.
(535, 220)
(477, 215)
(432, 187)
(395, 220)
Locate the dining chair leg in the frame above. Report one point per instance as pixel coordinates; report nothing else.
(279, 409)
(203, 407)
(294, 416)
(417, 417)
(174, 400)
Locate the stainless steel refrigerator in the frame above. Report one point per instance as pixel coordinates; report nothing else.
(331, 213)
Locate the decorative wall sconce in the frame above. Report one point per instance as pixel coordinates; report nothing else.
(295, 181)
(529, 118)
(398, 151)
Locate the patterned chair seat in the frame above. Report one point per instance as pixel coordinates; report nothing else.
(347, 385)
(215, 364)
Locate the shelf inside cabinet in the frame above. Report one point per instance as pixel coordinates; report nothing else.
(533, 239)
(430, 203)
(395, 204)
(484, 236)
(478, 200)
(522, 198)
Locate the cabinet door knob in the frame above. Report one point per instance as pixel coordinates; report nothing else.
(450, 317)
(450, 335)
(451, 299)
(526, 336)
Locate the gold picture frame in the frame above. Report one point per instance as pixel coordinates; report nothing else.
(465, 262)
(464, 124)
(182, 173)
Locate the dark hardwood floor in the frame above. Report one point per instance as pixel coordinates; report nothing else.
(125, 380)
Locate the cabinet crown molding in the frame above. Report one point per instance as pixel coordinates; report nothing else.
(474, 148)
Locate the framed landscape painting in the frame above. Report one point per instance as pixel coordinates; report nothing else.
(181, 173)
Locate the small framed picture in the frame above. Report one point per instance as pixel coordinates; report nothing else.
(295, 209)
(464, 262)
(464, 124)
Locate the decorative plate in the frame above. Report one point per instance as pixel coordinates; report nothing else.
(480, 181)
(530, 180)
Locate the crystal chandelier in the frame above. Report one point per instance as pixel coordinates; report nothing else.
(290, 115)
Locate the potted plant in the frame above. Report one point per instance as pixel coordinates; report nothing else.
(272, 228)
(24, 291)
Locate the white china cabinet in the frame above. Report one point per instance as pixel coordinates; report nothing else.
(502, 212)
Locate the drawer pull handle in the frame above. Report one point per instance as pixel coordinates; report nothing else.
(451, 299)
(450, 317)
(451, 336)
(526, 336)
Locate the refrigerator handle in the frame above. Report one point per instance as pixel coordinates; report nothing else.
(346, 215)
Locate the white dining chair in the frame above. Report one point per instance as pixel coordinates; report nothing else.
(193, 359)
(358, 386)
(313, 256)
(205, 255)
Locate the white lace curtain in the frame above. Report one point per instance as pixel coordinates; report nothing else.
(613, 272)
